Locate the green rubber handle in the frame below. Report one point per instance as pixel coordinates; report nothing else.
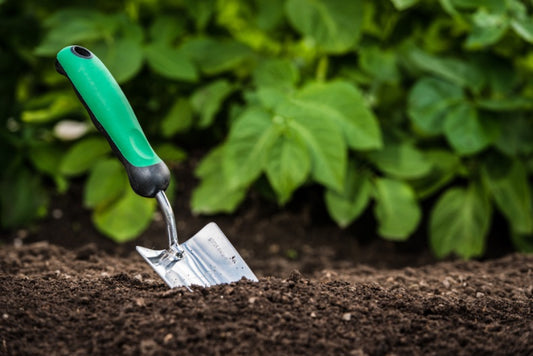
(113, 116)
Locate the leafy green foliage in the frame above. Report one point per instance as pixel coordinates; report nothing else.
(207, 100)
(215, 56)
(396, 209)
(404, 4)
(48, 107)
(126, 218)
(83, 155)
(22, 199)
(508, 184)
(170, 154)
(323, 138)
(178, 119)
(118, 212)
(114, 38)
(170, 62)
(252, 135)
(47, 159)
(214, 194)
(289, 141)
(106, 182)
(401, 160)
(287, 166)
(333, 25)
(346, 206)
(276, 73)
(445, 166)
(460, 221)
(344, 105)
(429, 103)
(384, 104)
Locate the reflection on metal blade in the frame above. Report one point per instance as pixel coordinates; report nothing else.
(208, 259)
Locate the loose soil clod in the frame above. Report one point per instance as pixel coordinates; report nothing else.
(65, 302)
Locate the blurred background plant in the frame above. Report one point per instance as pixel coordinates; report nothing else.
(382, 104)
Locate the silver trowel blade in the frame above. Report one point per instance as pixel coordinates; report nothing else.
(208, 259)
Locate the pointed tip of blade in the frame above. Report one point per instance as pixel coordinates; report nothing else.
(141, 249)
(147, 252)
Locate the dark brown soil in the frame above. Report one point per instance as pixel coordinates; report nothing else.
(64, 302)
(67, 290)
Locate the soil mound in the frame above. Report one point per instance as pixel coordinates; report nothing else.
(85, 301)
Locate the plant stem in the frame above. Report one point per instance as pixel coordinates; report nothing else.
(322, 68)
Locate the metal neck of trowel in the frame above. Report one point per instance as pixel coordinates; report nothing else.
(168, 215)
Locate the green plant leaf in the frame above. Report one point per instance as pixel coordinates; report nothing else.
(269, 14)
(229, 54)
(515, 135)
(251, 137)
(207, 100)
(460, 221)
(509, 185)
(488, 29)
(456, 71)
(83, 155)
(70, 26)
(170, 153)
(523, 28)
(200, 11)
(288, 164)
(396, 209)
(254, 132)
(124, 57)
(401, 160)
(346, 206)
(170, 62)
(211, 197)
(214, 194)
(323, 138)
(444, 167)
(334, 25)
(166, 29)
(127, 29)
(23, 198)
(276, 73)
(211, 164)
(46, 158)
(178, 119)
(505, 104)
(434, 42)
(268, 97)
(403, 4)
(464, 131)
(343, 104)
(107, 182)
(492, 5)
(126, 218)
(49, 107)
(380, 64)
(429, 102)
(501, 74)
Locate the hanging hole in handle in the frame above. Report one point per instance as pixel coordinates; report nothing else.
(81, 52)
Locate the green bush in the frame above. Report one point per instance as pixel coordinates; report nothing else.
(383, 104)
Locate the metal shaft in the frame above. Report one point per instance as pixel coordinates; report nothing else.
(168, 215)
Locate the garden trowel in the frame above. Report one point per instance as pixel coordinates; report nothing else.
(206, 259)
